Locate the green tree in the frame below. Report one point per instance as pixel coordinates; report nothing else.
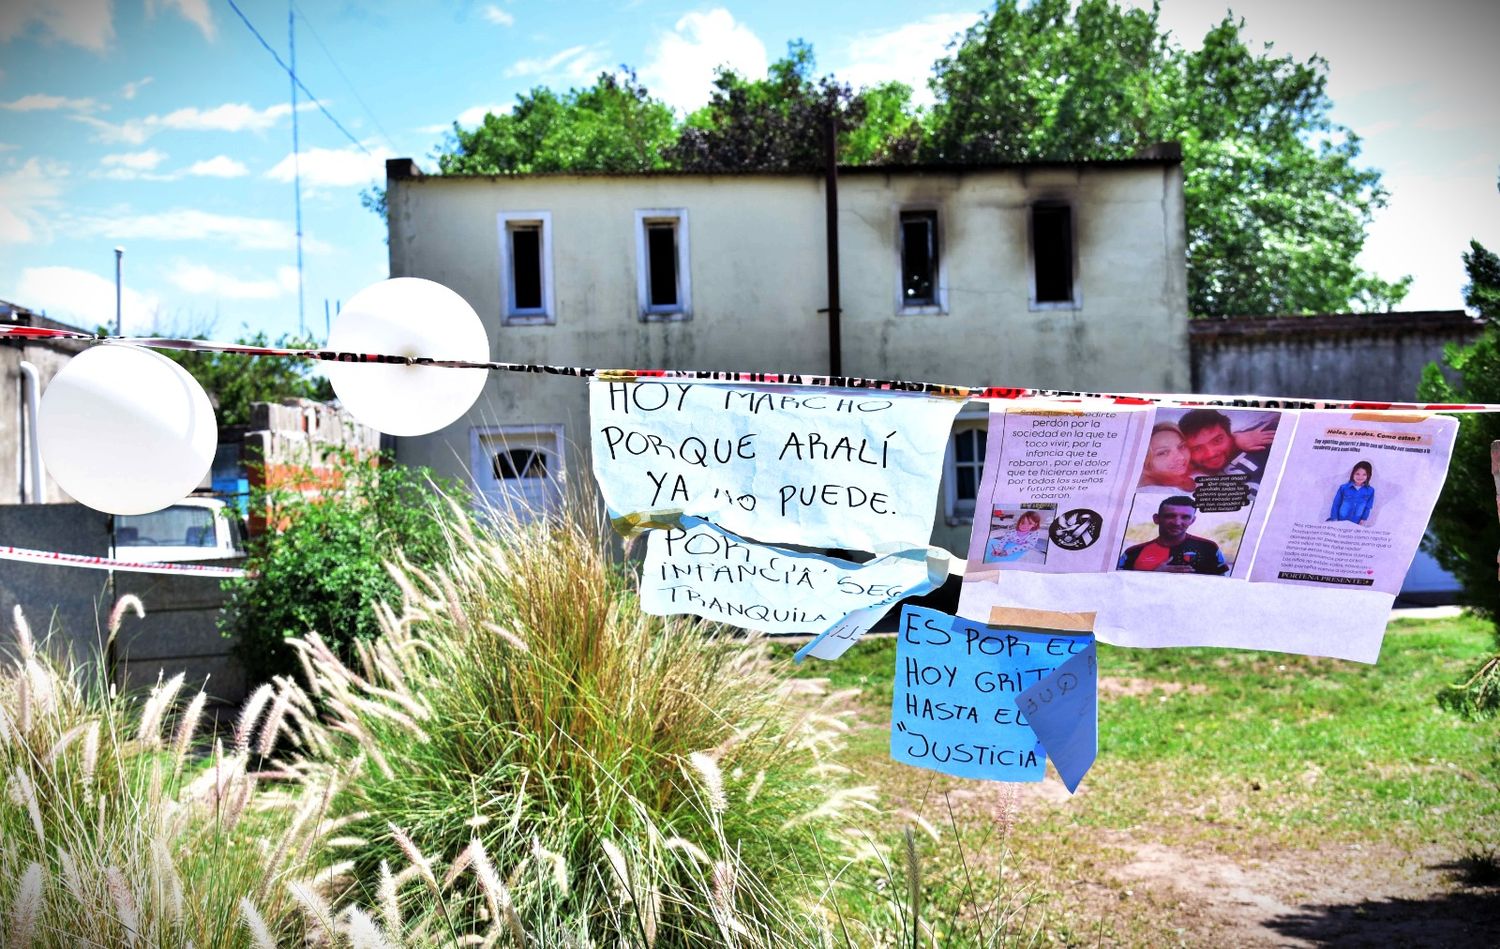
(234, 381)
(613, 125)
(1468, 533)
(780, 123)
(1276, 205)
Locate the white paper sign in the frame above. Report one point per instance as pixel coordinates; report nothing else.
(699, 569)
(818, 467)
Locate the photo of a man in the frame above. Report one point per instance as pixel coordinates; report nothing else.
(1174, 550)
(1216, 448)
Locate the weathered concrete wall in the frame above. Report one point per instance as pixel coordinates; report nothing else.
(16, 438)
(178, 634)
(1366, 356)
(70, 602)
(756, 260)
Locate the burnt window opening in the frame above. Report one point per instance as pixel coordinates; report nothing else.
(519, 463)
(919, 258)
(526, 267)
(661, 264)
(1052, 252)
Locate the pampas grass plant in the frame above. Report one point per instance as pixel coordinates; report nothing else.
(589, 773)
(113, 832)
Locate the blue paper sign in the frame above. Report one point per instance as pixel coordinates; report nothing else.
(1063, 710)
(953, 707)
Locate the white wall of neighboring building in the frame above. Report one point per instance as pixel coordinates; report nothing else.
(755, 260)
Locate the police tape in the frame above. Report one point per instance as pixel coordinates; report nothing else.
(1185, 400)
(54, 558)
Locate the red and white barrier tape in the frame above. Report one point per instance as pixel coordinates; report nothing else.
(766, 378)
(104, 563)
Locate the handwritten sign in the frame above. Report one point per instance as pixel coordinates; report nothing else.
(953, 708)
(699, 569)
(822, 468)
(1063, 711)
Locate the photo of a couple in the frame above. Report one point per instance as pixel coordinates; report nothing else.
(1189, 444)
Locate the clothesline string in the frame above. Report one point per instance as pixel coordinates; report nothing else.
(767, 378)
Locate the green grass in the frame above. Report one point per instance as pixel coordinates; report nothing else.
(1239, 752)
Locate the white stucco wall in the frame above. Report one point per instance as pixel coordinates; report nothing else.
(757, 265)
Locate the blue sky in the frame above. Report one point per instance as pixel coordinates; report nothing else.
(165, 127)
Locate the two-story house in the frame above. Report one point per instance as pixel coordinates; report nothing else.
(1058, 274)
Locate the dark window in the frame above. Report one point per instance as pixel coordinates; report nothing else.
(1052, 250)
(526, 266)
(968, 465)
(919, 258)
(661, 263)
(520, 463)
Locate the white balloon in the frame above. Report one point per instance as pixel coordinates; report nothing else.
(408, 316)
(125, 430)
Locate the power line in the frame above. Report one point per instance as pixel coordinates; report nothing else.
(347, 81)
(293, 74)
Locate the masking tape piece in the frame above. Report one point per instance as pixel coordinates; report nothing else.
(1014, 617)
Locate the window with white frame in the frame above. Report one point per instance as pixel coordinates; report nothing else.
(1054, 256)
(965, 466)
(921, 288)
(518, 469)
(663, 279)
(526, 267)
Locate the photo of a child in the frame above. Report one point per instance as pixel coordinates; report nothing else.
(1355, 498)
(1018, 535)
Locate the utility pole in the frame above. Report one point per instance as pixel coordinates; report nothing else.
(291, 42)
(119, 256)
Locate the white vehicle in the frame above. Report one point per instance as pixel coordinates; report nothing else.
(191, 529)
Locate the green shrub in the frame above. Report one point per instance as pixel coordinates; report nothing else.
(629, 779)
(1464, 521)
(320, 567)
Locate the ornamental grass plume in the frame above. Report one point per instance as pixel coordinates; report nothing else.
(549, 765)
(113, 833)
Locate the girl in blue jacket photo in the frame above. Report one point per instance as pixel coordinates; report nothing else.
(1353, 500)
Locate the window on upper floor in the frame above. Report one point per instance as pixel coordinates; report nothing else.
(664, 284)
(965, 467)
(1053, 281)
(526, 267)
(920, 286)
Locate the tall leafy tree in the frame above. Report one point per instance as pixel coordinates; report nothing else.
(613, 125)
(1464, 520)
(1276, 204)
(233, 381)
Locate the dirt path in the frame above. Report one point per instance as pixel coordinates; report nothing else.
(1320, 896)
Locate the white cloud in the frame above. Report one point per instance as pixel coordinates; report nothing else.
(904, 53)
(474, 115)
(86, 299)
(219, 166)
(133, 166)
(41, 102)
(683, 62)
(189, 224)
(576, 64)
(85, 23)
(229, 117)
(195, 12)
(27, 196)
(130, 89)
(201, 279)
(333, 167)
(497, 16)
(136, 161)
